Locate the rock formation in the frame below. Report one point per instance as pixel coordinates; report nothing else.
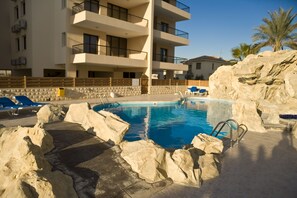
(51, 113)
(188, 166)
(107, 126)
(269, 79)
(24, 171)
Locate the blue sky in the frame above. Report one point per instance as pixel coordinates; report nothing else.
(217, 26)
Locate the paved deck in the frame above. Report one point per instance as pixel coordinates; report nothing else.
(262, 165)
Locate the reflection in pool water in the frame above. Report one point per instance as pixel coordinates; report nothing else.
(171, 125)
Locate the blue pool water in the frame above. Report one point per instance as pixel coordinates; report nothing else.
(170, 125)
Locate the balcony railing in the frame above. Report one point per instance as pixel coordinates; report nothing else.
(169, 59)
(88, 5)
(108, 51)
(171, 30)
(179, 5)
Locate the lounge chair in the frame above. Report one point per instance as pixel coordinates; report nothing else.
(9, 106)
(24, 100)
(192, 90)
(203, 92)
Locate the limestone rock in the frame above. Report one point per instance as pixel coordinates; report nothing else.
(207, 143)
(291, 83)
(24, 171)
(51, 113)
(245, 112)
(208, 166)
(269, 111)
(268, 75)
(146, 158)
(105, 125)
(77, 112)
(180, 168)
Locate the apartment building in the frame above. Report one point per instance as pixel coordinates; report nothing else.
(96, 38)
(202, 67)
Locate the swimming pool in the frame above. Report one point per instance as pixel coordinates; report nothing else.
(170, 124)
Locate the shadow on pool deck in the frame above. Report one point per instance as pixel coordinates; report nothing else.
(96, 168)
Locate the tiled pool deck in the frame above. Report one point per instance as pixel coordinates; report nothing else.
(262, 165)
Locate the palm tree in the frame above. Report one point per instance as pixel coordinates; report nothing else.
(243, 50)
(278, 31)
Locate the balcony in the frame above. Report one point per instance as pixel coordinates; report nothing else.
(169, 35)
(98, 17)
(169, 63)
(175, 9)
(108, 56)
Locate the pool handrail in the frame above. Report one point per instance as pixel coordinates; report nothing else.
(239, 135)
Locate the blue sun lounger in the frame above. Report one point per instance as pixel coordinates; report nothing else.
(24, 100)
(6, 105)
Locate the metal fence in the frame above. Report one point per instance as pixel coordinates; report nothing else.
(31, 82)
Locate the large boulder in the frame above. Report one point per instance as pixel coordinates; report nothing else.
(245, 112)
(180, 168)
(207, 143)
(105, 125)
(208, 166)
(183, 166)
(146, 158)
(24, 171)
(51, 113)
(77, 112)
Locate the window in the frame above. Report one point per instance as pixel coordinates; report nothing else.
(164, 27)
(18, 44)
(24, 42)
(63, 41)
(16, 12)
(117, 12)
(116, 46)
(190, 68)
(90, 44)
(198, 66)
(129, 74)
(212, 66)
(63, 4)
(24, 8)
(163, 54)
(92, 6)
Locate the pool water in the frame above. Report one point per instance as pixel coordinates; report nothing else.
(171, 125)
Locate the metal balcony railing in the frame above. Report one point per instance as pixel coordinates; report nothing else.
(106, 50)
(171, 30)
(179, 5)
(90, 6)
(169, 59)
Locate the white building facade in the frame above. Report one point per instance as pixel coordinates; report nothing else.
(92, 38)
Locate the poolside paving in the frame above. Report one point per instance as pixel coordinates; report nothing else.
(262, 165)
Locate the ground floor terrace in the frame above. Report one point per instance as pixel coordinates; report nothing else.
(261, 165)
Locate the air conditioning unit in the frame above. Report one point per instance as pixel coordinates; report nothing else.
(23, 24)
(22, 60)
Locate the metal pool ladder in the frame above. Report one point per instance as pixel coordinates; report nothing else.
(182, 97)
(239, 129)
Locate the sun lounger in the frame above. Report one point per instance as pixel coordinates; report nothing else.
(193, 90)
(9, 106)
(203, 92)
(24, 100)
